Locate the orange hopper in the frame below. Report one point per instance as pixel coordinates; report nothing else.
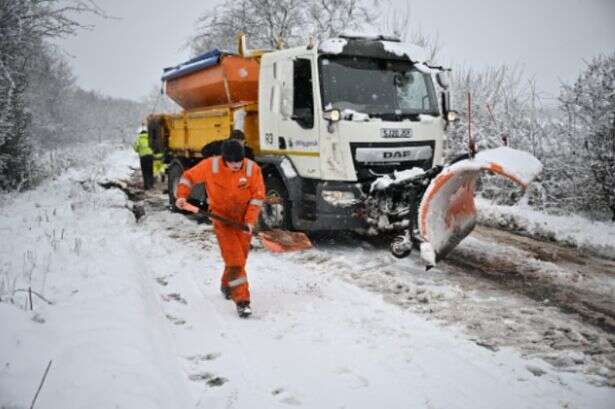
(213, 78)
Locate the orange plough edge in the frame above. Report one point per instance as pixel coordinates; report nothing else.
(447, 213)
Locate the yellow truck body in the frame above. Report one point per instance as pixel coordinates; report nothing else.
(188, 132)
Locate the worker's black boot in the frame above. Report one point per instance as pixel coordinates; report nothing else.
(243, 309)
(226, 292)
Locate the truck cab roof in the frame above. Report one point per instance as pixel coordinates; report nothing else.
(382, 47)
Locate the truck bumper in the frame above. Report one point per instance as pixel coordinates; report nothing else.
(334, 206)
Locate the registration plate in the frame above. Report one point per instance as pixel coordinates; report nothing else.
(396, 132)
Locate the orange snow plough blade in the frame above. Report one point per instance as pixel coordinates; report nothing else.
(276, 240)
(447, 213)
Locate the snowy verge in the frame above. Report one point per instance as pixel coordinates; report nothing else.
(72, 242)
(53, 163)
(574, 231)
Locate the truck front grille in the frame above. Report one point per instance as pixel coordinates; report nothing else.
(396, 160)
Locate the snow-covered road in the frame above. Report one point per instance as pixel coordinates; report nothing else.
(138, 320)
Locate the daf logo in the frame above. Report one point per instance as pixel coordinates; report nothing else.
(393, 154)
(396, 154)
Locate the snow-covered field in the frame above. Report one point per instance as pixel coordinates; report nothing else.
(137, 320)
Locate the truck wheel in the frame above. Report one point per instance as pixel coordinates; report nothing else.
(401, 246)
(174, 174)
(275, 213)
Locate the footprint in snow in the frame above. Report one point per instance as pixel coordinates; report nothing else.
(203, 357)
(285, 397)
(175, 320)
(209, 378)
(356, 381)
(291, 400)
(217, 381)
(174, 297)
(162, 281)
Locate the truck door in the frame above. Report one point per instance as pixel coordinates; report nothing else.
(297, 123)
(270, 86)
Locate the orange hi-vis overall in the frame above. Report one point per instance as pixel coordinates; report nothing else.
(237, 196)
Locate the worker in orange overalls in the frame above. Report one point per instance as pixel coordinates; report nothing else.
(235, 190)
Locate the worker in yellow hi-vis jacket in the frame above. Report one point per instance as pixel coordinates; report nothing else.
(146, 156)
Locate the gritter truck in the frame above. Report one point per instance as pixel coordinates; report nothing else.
(349, 132)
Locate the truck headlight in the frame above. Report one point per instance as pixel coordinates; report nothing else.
(339, 198)
(452, 116)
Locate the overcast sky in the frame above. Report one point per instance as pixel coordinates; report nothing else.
(549, 38)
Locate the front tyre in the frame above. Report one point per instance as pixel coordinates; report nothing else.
(276, 211)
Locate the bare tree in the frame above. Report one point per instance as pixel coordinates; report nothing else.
(499, 104)
(23, 25)
(271, 24)
(398, 22)
(507, 110)
(590, 103)
(157, 101)
(50, 81)
(576, 147)
(329, 18)
(266, 22)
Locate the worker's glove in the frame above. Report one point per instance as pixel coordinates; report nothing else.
(180, 202)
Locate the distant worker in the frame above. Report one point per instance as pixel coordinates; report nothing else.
(236, 191)
(215, 148)
(146, 156)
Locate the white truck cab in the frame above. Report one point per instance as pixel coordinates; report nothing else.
(333, 118)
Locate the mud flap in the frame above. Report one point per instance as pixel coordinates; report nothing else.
(447, 213)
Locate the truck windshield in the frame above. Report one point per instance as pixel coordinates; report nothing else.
(380, 88)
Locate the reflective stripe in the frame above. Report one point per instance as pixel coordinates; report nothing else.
(239, 281)
(185, 181)
(256, 202)
(250, 168)
(215, 164)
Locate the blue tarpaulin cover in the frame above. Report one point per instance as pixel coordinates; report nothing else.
(194, 64)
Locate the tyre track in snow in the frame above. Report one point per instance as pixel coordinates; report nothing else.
(521, 297)
(580, 286)
(246, 344)
(592, 306)
(496, 309)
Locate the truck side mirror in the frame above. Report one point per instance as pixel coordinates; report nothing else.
(443, 79)
(449, 114)
(332, 115)
(445, 102)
